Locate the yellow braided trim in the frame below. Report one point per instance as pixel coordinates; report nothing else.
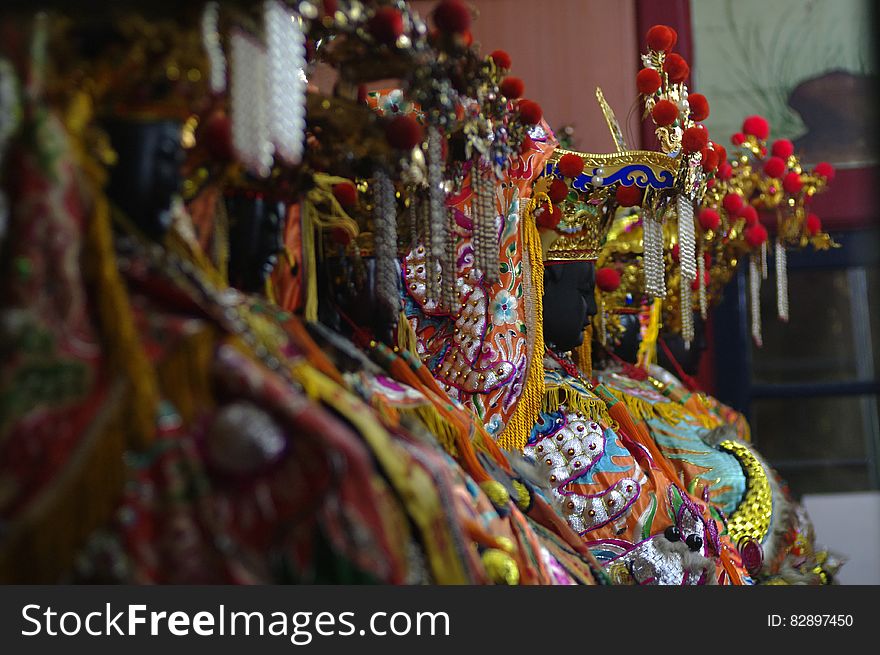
(525, 416)
(752, 517)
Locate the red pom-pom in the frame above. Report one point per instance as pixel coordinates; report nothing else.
(340, 236)
(756, 235)
(647, 81)
(792, 183)
(749, 214)
(738, 138)
(710, 159)
(676, 68)
(664, 113)
(346, 193)
(732, 203)
(774, 167)
(549, 220)
(329, 7)
(558, 191)
(694, 139)
(452, 17)
(570, 165)
(607, 279)
(725, 171)
(217, 137)
(501, 59)
(628, 196)
(530, 112)
(824, 169)
(721, 151)
(661, 38)
(512, 87)
(404, 132)
(757, 126)
(699, 106)
(386, 25)
(782, 148)
(709, 219)
(814, 224)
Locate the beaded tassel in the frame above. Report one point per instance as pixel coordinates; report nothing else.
(249, 115)
(781, 282)
(764, 255)
(655, 282)
(213, 48)
(385, 240)
(437, 221)
(701, 277)
(286, 81)
(485, 235)
(449, 291)
(687, 313)
(755, 300)
(412, 219)
(686, 239)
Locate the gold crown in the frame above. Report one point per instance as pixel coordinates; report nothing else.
(586, 213)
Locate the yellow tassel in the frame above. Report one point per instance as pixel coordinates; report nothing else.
(118, 332)
(40, 544)
(313, 221)
(583, 354)
(525, 416)
(185, 374)
(648, 348)
(438, 426)
(406, 337)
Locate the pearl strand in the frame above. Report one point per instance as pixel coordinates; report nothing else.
(755, 300)
(249, 115)
(286, 82)
(764, 257)
(781, 282)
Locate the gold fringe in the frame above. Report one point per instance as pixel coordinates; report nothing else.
(438, 426)
(592, 407)
(525, 416)
(406, 337)
(671, 413)
(583, 354)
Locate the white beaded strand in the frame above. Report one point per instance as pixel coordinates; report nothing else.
(249, 111)
(285, 42)
(781, 282)
(755, 300)
(213, 47)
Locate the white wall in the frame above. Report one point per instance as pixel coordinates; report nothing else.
(849, 524)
